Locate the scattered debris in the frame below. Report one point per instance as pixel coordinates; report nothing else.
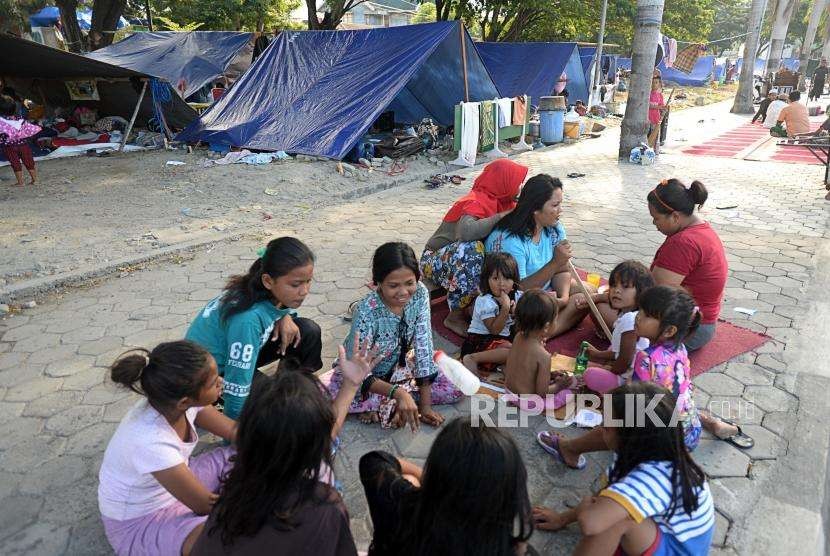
(175, 163)
(30, 304)
(745, 311)
(4, 309)
(726, 207)
(272, 192)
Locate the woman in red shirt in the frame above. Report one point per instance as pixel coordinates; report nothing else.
(692, 256)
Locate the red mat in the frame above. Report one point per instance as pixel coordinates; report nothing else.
(730, 143)
(729, 342)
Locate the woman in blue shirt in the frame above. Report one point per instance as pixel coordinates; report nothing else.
(533, 234)
(254, 321)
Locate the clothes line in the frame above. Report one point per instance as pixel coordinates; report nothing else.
(714, 41)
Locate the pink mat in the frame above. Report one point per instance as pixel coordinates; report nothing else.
(729, 342)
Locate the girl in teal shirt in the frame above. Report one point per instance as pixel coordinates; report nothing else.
(254, 321)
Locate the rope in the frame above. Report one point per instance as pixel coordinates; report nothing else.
(714, 41)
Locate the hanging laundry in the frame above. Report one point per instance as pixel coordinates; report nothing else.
(687, 58)
(487, 127)
(519, 110)
(522, 144)
(505, 108)
(671, 55)
(469, 135)
(496, 152)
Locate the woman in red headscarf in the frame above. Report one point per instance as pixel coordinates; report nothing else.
(454, 254)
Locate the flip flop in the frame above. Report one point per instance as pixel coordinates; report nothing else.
(740, 440)
(576, 175)
(550, 443)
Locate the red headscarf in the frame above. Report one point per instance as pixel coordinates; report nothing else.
(494, 191)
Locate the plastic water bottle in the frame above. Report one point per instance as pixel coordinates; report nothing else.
(459, 375)
(581, 359)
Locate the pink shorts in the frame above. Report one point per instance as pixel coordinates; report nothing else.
(163, 532)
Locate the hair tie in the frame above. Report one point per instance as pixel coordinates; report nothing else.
(261, 252)
(662, 202)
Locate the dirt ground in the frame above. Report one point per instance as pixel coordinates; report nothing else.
(88, 211)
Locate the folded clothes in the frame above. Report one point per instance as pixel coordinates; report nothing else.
(70, 132)
(69, 141)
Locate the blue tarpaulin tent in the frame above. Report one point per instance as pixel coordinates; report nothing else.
(609, 61)
(318, 92)
(50, 15)
(533, 68)
(701, 74)
(196, 57)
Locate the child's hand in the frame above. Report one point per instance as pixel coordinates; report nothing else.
(363, 359)
(562, 380)
(547, 519)
(580, 300)
(287, 332)
(504, 301)
(592, 352)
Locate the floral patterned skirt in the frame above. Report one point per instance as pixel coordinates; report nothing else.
(457, 268)
(443, 392)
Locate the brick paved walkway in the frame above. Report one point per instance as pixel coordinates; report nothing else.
(58, 412)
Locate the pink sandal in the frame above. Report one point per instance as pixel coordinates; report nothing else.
(550, 443)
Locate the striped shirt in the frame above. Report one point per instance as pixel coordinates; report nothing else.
(646, 492)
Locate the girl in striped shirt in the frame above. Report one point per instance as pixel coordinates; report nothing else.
(656, 500)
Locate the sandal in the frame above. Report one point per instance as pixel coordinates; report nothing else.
(550, 443)
(576, 175)
(740, 440)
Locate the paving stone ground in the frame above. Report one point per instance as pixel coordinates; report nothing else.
(58, 411)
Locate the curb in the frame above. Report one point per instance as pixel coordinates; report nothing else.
(47, 284)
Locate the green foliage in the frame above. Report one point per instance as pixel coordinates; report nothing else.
(426, 13)
(730, 20)
(240, 15)
(171, 25)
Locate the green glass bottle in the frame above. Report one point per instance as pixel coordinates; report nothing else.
(581, 359)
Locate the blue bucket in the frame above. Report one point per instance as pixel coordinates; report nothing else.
(552, 126)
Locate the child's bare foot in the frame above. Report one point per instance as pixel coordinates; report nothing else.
(570, 457)
(456, 323)
(368, 417)
(470, 363)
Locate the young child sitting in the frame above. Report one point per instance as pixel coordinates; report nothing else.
(528, 365)
(489, 335)
(154, 498)
(627, 282)
(656, 499)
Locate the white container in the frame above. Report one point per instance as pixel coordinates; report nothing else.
(459, 375)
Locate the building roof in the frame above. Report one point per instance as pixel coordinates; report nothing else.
(399, 5)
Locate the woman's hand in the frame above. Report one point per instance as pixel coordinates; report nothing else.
(363, 359)
(431, 417)
(562, 254)
(287, 332)
(407, 410)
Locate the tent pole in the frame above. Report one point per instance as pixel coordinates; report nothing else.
(464, 62)
(132, 120)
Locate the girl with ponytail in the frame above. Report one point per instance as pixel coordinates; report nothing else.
(154, 498)
(254, 321)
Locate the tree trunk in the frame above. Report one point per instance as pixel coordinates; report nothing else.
(105, 16)
(69, 21)
(646, 31)
(743, 100)
(809, 38)
(825, 52)
(780, 24)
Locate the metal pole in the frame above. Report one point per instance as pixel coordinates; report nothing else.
(132, 120)
(464, 61)
(596, 75)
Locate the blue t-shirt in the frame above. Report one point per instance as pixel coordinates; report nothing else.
(530, 256)
(647, 491)
(235, 343)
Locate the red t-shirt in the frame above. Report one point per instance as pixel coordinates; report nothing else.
(697, 253)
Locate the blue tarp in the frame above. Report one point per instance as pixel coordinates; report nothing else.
(701, 74)
(609, 61)
(318, 92)
(533, 68)
(50, 15)
(197, 57)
